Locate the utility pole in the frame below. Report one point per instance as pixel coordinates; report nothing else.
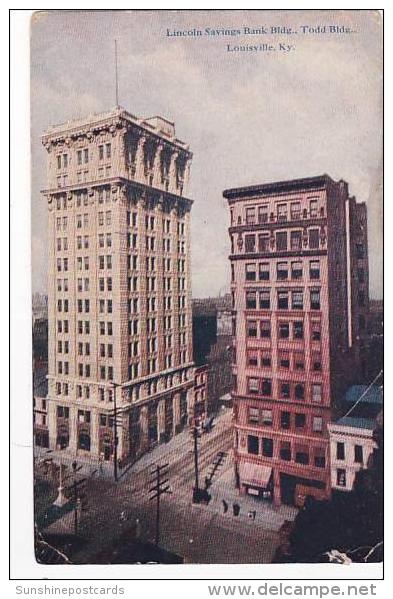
(196, 490)
(75, 487)
(159, 479)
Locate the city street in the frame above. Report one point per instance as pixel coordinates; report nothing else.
(198, 533)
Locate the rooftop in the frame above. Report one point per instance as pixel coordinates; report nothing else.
(319, 181)
(372, 396)
(156, 125)
(353, 422)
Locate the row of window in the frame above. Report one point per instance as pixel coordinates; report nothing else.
(281, 241)
(357, 455)
(264, 417)
(293, 210)
(286, 360)
(285, 330)
(106, 328)
(284, 270)
(84, 155)
(282, 299)
(300, 453)
(286, 390)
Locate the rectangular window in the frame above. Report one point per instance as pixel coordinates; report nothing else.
(298, 360)
(263, 214)
(299, 391)
(319, 457)
(267, 447)
(265, 329)
(282, 212)
(250, 215)
(267, 417)
(317, 424)
(283, 330)
(314, 270)
(300, 420)
(253, 415)
(249, 244)
(316, 362)
(282, 300)
(253, 444)
(313, 239)
(266, 360)
(252, 357)
(359, 454)
(251, 272)
(285, 420)
(315, 330)
(285, 390)
(315, 300)
(253, 385)
(266, 387)
(341, 478)
(301, 455)
(283, 360)
(317, 393)
(313, 208)
(296, 240)
(285, 451)
(281, 241)
(264, 271)
(263, 242)
(264, 300)
(295, 210)
(251, 328)
(340, 451)
(251, 300)
(297, 300)
(296, 270)
(297, 328)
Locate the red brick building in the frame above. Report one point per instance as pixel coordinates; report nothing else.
(299, 270)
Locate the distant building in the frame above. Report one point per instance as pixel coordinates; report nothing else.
(351, 437)
(299, 283)
(212, 328)
(201, 394)
(40, 339)
(40, 404)
(375, 318)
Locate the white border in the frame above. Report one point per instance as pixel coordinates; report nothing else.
(23, 565)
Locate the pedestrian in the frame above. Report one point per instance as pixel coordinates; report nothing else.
(225, 506)
(138, 529)
(236, 509)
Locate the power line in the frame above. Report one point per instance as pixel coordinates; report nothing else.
(363, 394)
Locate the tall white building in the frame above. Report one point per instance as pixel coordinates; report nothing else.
(119, 299)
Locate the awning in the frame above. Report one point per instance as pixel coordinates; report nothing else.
(253, 474)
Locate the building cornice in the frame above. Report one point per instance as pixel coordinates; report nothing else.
(122, 184)
(285, 254)
(112, 122)
(317, 183)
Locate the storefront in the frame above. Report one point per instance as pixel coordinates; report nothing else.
(256, 479)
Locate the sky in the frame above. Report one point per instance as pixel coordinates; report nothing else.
(249, 116)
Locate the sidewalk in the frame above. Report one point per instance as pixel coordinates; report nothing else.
(160, 453)
(267, 515)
